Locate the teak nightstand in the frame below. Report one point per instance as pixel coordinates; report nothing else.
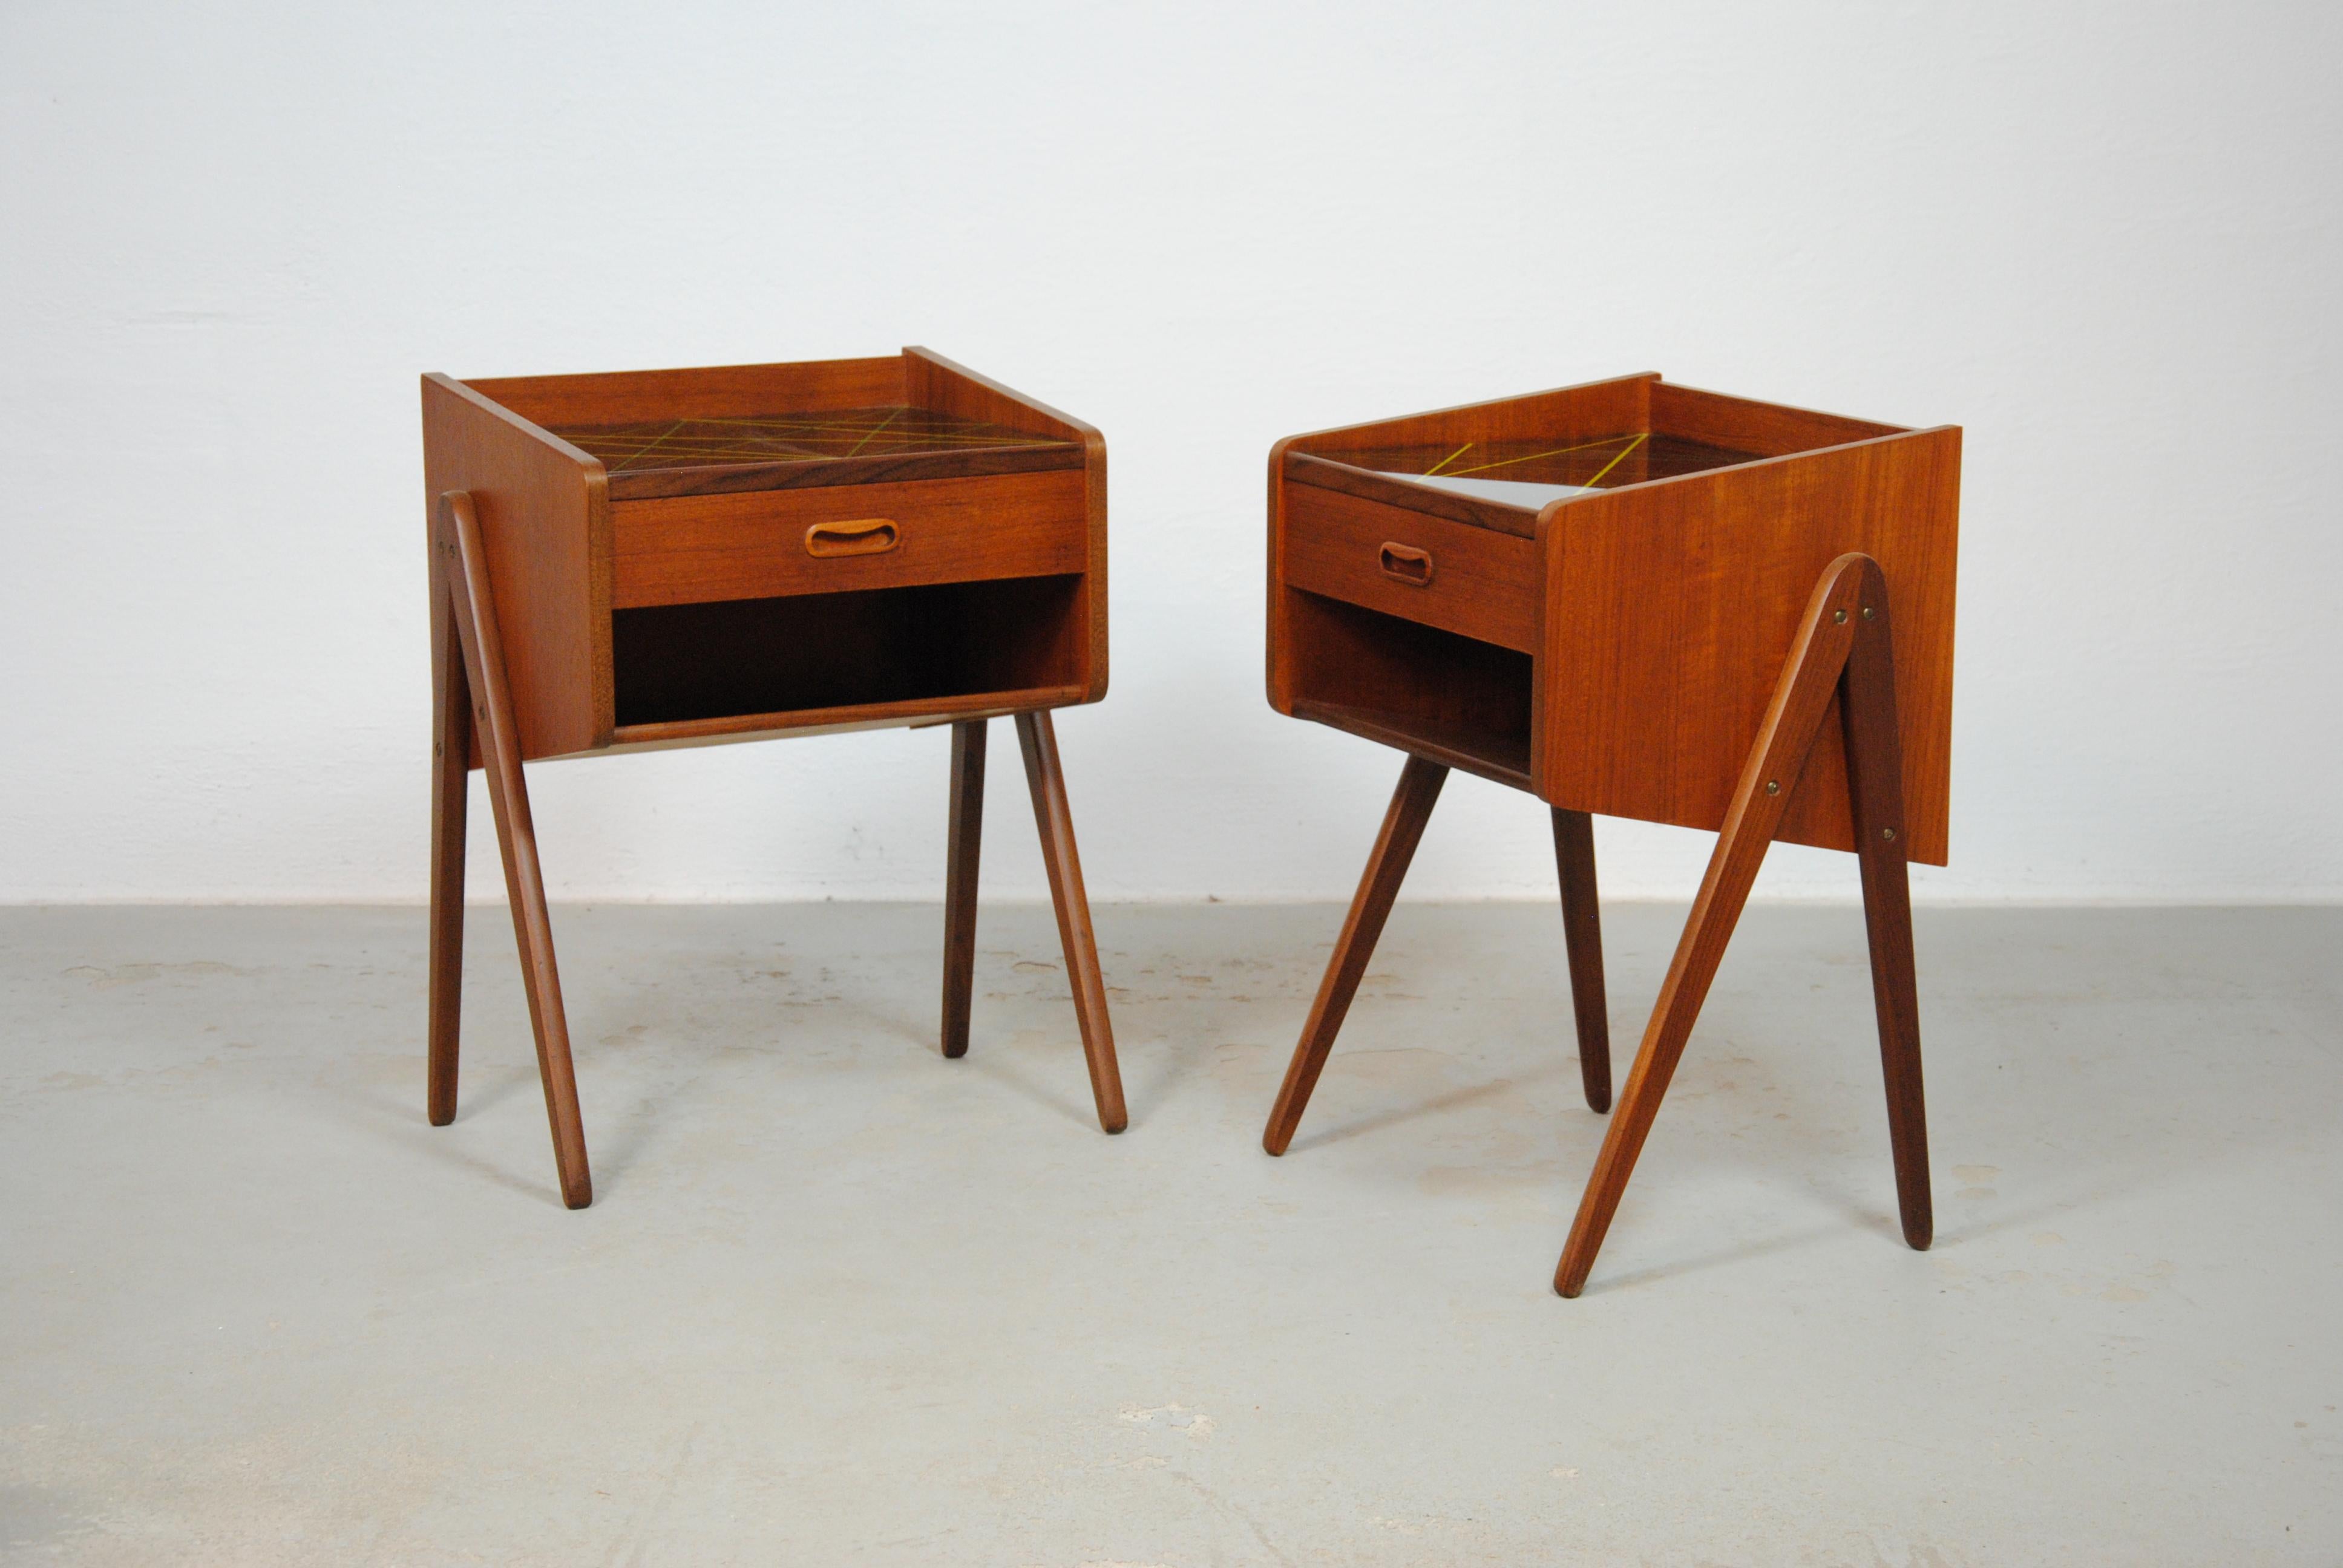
(1635, 599)
(675, 557)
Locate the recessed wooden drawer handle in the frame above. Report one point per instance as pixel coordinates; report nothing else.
(860, 536)
(1408, 564)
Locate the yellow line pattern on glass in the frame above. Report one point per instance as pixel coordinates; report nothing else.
(873, 431)
(654, 441)
(1617, 461)
(1533, 457)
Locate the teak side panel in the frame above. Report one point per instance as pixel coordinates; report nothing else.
(715, 392)
(1565, 414)
(1671, 606)
(1481, 584)
(545, 522)
(701, 548)
(932, 381)
(1277, 664)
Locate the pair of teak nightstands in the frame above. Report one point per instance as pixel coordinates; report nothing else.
(1627, 598)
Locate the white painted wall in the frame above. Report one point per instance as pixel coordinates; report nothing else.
(2105, 238)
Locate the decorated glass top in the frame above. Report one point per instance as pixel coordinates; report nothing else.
(1532, 473)
(828, 435)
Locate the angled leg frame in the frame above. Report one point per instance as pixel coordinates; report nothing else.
(1037, 739)
(1842, 649)
(1402, 829)
(469, 698)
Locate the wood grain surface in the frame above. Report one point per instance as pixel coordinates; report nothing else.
(544, 523)
(753, 545)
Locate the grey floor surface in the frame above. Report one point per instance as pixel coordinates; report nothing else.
(841, 1301)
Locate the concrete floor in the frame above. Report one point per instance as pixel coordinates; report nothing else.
(840, 1300)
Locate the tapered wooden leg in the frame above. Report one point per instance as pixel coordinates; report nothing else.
(1582, 934)
(474, 610)
(1371, 906)
(960, 855)
(1874, 764)
(1037, 739)
(451, 730)
(1810, 677)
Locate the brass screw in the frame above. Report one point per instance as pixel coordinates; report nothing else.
(1867, 612)
(1888, 834)
(1839, 616)
(1773, 786)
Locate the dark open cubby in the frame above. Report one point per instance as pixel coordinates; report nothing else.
(679, 663)
(1454, 699)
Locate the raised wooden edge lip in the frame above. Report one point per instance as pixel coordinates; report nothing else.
(1478, 404)
(1394, 489)
(1333, 472)
(1547, 514)
(1076, 430)
(478, 399)
(1082, 436)
(1374, 484)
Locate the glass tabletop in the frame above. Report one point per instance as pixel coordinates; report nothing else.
(813, 436)
(1532, 472)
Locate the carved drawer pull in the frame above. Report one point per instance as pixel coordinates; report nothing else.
(1407, 564)
(860, 536)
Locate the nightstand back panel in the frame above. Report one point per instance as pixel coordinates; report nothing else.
(713, 392)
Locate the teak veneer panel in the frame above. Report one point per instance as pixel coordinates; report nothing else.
(932, 381)
(712, 392)
(1577, 413)
(1481, 584)
(1665, 602)
(1669, 606)
(753, 545)
(544, 516)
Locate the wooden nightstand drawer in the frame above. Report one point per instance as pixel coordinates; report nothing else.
(762, 544)
(1425, 568)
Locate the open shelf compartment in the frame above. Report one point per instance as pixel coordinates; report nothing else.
(817, 660)
(1453, 698)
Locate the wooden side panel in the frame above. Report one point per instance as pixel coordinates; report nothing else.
(701, 548)
(1565, 414)
(1671, 606)
(715, 392)
(1476, 583)
(932, 381)
(1764, 430)
(544, 521)
(1278, 667)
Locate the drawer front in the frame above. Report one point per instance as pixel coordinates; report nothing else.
(1412, 565)
(761, 544)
